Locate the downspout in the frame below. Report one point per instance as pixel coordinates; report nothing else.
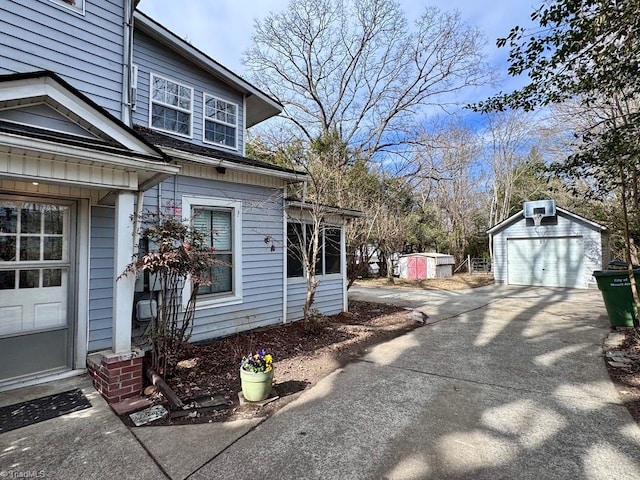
(343, 260)
(127, 60)
(493, 270)
(285, 245)
(136, 220)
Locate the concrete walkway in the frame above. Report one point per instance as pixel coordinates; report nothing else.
(504, 383)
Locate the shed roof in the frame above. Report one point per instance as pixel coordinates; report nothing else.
(441, 258)
(566, 213)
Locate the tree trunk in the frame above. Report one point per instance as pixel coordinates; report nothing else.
(627, 236)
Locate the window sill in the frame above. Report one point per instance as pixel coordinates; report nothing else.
(205, 304)
(321, 278)
(171, 132)
(220, 145)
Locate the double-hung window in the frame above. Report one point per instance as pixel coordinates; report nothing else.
(171, 106)
(220, 221)
(220, 122)
(328, 260)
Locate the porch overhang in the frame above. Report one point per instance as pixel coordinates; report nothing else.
(36, 160)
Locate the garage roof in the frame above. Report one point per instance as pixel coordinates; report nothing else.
(566, 213)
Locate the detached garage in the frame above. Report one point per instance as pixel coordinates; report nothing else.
(544, 245)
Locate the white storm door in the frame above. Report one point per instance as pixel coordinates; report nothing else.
(35, 279)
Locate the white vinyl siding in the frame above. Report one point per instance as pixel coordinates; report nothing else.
(171, 106)
(220, 122)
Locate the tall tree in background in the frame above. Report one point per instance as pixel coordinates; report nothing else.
(510, 136)
(451, 179)
(587, 51)
(357, 69)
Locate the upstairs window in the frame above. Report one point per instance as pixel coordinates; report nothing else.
(220, 122)
(171, 106)
(75, 5)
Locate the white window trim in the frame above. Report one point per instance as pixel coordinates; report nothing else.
(73, 8)
(188, 202)
(323, 276)
(205, 118)
(152, 101)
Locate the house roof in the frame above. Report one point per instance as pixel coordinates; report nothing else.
(101, 142)
(344, 212)
(259, 105)
(520, 215)
(19, 89)
(216, 158)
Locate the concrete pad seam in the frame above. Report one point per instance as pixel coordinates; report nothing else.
(151, 456)
(465, 312)
(485, 384)
(226, 448)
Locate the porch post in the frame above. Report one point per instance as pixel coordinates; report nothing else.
(124, 287)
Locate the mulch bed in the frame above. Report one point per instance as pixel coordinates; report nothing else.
(303, 355)
(627, 378)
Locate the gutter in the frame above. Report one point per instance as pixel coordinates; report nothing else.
(291, 177)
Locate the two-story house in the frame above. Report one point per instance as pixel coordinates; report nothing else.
(104, 113)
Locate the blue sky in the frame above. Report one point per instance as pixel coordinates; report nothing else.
(222, 28)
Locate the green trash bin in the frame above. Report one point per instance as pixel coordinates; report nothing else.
(616, 293)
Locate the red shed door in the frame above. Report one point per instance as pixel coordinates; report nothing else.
(411, 268)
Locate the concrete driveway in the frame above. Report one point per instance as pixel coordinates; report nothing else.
(507, 383)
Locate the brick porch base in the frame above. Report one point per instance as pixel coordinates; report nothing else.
(116, 375)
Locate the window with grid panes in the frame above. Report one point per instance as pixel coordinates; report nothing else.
(220, 122)
(171, 106)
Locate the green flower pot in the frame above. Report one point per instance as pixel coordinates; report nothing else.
(256, 386)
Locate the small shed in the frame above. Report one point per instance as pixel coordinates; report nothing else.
(548, 246)
(417, 266)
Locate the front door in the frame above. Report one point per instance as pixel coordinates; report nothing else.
(36, 313)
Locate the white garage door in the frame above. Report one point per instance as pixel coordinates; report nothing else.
(547, 262)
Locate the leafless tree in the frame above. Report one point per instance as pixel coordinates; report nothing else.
(510, 137)
(357, 69)
(452, 181)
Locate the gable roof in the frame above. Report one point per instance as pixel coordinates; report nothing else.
(566, 213)
(260, 106)
(45, 87)
(101, 140)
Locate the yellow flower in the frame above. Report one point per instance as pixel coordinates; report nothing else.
(268, 358)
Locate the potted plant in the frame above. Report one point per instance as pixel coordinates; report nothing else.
(256, 375)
